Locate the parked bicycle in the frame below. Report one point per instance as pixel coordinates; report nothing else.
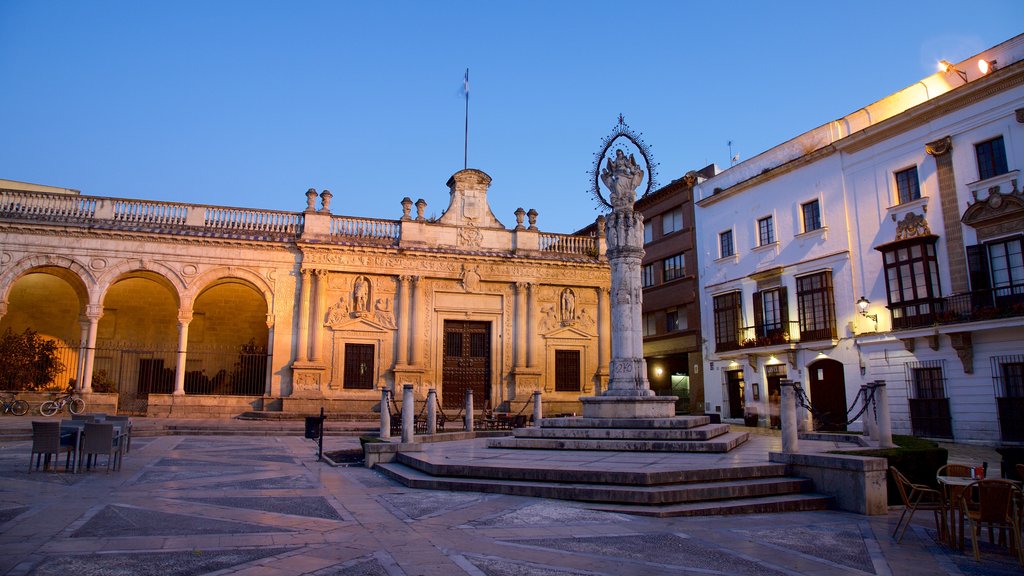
(10, 403)
(75, 404)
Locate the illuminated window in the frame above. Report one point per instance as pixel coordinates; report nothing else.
(907, 186)
(812, 215)
(765, 231)
(991, 158)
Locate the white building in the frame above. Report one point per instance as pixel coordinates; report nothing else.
(911, 206)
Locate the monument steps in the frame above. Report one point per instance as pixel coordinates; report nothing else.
(762, 505)
(706, 432)
(715, 496)
(719, 444)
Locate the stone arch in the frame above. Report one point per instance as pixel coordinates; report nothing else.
(67, 269)
(211, 278)
(158, 272)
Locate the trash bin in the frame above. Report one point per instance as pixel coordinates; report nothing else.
(314, 427)
(750, 417)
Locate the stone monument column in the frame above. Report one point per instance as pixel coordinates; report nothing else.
(417, 313)
(520, 324)
(302, 353)
(318, 314)
(402, 356)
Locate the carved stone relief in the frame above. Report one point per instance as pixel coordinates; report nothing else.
(912, 226)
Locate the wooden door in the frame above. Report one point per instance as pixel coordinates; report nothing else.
(735, 386)
(466, 363)
(828, 395)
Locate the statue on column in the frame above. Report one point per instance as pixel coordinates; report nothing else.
(622, 176)
(568, 306)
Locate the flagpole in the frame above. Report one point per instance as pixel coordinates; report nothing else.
(465, 148)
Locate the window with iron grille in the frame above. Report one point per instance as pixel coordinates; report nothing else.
(671, 221)
(991, 158)
(765, 231)
(725, 247)
(928, 383)
(727, 321)
(907, 185)
(816, 306)
(812, 215)
(673, 267)
(1008, 376)
(359, 366)
(567, 370)
(647, 276)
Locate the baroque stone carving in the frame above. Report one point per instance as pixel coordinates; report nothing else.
(470, 279)
(361, 295)
(622, 176)
(939, 147)
(912, 226)
(383, 313)
(568, 302)
(470, 236)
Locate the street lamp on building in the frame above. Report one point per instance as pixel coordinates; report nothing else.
(862, 306)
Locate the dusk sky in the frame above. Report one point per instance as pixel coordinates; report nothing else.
(250, 103)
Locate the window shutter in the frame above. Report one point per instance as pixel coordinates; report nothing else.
(783, 310)
(977, 265)
(759, 313)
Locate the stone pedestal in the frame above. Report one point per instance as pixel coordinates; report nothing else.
(628, 406)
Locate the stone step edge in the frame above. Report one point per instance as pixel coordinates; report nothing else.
(693, 434)
(669, 494)
(580, 476)
(677, 422)
(804, 502)
(717, 445)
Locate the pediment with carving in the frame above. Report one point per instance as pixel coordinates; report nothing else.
(994, 212)
(567, 333)
(360, 324)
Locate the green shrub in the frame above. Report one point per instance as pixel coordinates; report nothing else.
(28, 361)
(916, 458)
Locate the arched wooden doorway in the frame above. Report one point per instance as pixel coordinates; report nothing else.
(828, 395)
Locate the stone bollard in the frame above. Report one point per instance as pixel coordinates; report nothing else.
(870, 429)
(788, 415)
(537, 412)
(431, 411)
(408, 413)
(385, 414)
(884, 420)
(469, 410)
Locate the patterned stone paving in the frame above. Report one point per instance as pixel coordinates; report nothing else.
(263, 506)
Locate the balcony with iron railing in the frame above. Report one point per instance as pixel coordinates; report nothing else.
(773, 337)
(1002, 302)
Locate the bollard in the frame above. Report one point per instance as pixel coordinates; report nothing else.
(408, 413)
(431, 411)
(884, 421)
(385, 414)
(469, 410)
(537, 412)
(788, 414)
(867, 419)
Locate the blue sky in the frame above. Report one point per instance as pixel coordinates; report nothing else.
(250, 103)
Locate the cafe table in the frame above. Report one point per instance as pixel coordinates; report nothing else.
(953, 487)
(76, 428)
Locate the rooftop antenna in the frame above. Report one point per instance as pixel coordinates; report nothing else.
(465, 147)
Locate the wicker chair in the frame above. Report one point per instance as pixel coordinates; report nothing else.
(101, 439)
(957, 470)
(918, 497)
(46, 441)
(995, 503)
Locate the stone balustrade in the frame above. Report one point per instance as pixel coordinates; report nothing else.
(365, 228)
(569, 244)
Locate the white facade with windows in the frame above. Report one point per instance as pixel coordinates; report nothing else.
(913, 203)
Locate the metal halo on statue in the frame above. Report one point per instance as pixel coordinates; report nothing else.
(622, 130)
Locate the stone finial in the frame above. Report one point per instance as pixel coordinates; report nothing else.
(311, 200)
(325, 201)
(600, 225)
(519, 218)
(406, 208)
(421, 205)
(532, 215)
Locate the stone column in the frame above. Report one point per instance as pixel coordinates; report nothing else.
(531, 325)
(603, 328)
(468, 419)
(184, 318)
(625, 254)
(941, 150)
(788, 415)
(402, 354)
(431, 411)
(868, 417)
(385, 414)
(83, 350)
(269, 386)
(302, 348)
(318, 315)
(408, 413)
(884, 420)
(416, 320)
(94, 313)
(520, 324)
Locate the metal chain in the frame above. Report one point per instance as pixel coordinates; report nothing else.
(804, 402)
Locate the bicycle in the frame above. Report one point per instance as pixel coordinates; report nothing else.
(10, 403)
(75, 404)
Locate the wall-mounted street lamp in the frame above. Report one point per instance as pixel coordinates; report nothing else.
(862, 306)
(946, 67)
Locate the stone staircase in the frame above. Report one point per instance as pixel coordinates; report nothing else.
(693, 492)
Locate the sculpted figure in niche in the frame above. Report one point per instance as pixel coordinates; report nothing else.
(337, 312)
(548, 318)
(361, 295)
(568, 306)
(622, 176)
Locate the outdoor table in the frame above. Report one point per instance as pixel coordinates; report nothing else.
(77, 429)
(953, 486)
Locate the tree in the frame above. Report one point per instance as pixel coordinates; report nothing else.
(27, 360)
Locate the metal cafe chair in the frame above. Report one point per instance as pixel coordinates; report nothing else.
(995, 503)
(918, 497)
(46, 441)
(101, 439)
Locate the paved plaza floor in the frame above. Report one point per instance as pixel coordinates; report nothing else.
(260, 505)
